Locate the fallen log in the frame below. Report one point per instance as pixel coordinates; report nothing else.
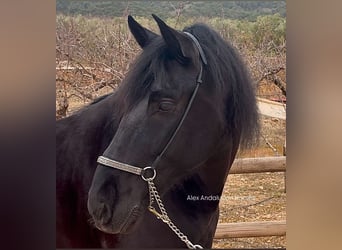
(258, 165)
(250, 229)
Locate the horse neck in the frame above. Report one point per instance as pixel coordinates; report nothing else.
(97, 122)
(215, 170)
(85, 134)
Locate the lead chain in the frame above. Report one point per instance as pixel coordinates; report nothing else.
(154, 196)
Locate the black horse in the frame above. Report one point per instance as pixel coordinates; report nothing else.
(99, 206)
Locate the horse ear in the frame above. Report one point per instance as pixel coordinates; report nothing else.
(142, 35)
(178, 43)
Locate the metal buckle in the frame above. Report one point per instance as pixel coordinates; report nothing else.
(145, 170)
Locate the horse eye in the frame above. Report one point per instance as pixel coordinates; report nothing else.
(166, 106)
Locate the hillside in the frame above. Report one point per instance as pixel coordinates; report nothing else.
(248, 10)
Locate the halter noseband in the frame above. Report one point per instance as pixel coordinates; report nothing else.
(149, 173)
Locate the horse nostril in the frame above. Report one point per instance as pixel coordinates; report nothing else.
(101, 200)
(106, 213)
(100, 211)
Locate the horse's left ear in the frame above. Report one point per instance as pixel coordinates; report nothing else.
(178, 43)
(142, 35)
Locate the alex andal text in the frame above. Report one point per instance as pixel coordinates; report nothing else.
(203, 198)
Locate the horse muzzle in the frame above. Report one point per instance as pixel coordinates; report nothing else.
(115, 222)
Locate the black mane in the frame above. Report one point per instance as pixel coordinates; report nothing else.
(99, 99)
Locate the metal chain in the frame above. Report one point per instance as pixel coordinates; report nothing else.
(154, 196)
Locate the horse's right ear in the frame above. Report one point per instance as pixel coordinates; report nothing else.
(142, 35)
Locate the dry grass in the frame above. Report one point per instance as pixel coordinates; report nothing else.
(253, 197)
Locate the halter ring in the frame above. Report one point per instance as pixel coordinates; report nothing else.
(145, 170)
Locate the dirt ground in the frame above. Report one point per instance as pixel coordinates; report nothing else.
(249, 198)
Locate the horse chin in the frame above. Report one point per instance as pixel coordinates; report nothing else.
(122, 225)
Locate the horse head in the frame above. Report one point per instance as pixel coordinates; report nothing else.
(175, 117)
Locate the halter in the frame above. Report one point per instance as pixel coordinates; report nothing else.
(149, 173)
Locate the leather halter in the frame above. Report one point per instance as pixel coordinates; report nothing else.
(142, 171)
(149, 173)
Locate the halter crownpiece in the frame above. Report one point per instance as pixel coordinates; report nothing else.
(200, 50)
(149, 173)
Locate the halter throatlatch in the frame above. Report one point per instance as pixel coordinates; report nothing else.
(149, 173)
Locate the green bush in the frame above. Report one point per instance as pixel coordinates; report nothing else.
(269, 29)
